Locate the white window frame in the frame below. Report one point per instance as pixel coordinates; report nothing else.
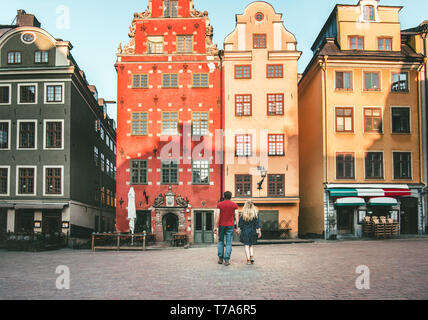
(44, 181)
(10, 94)
(17, 181)
(45, 135)
(46, 92)
(353, 120)
(355, 166)
(27, 85)
(383, 165)
(8, 135)
(17, 134)
(411, 164)
(7, 194)
(364, 119)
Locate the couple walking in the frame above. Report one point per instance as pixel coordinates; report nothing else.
(248, 227)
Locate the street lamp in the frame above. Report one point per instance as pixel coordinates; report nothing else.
(263, 174)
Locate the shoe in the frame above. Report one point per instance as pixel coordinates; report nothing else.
(252, 260)
(226, 263)
(248, 262)
(220, 260)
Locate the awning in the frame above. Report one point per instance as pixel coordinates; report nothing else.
(350, 202)
(383, 201)
(38, 206)
(374, 190)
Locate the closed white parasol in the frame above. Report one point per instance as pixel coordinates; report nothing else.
(132, 211)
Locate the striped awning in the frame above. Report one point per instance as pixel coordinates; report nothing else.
(350, 202)
(383, 201)
(369, 191)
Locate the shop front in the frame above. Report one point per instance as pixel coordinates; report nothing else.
(347, 206)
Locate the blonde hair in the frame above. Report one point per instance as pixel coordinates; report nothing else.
(249, 212)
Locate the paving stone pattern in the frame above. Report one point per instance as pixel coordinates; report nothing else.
(320, 270)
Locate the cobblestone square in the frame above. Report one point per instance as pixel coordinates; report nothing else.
(319, 270)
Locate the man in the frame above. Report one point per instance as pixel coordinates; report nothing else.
(224, 227)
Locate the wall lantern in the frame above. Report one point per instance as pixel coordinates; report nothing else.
(65, 225)
(263, 174)
(37, 224)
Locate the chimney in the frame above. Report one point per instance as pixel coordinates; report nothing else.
(24, 19)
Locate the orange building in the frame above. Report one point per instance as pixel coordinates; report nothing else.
(360, 125)
(260, 117)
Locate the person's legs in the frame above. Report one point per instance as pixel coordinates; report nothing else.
(247, 252)
(252, 254)
(229, 239)
(220, 247)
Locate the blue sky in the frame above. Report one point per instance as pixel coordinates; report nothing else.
(96, 27)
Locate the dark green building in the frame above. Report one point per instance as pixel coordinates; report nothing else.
(57, 144)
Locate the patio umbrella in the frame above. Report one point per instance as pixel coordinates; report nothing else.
(132, 212)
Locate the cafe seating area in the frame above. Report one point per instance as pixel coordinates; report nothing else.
(380, 227)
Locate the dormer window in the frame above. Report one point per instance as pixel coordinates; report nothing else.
(369, 13)
(154, 44)
(14, 57)
(356, 43)
(170, 8)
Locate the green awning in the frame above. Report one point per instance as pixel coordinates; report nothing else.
(350, 202)
(383, 202)
(343, 192)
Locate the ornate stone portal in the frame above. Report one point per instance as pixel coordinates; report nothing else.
(169, 204)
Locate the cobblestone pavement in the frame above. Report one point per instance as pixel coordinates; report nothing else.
(320, 270)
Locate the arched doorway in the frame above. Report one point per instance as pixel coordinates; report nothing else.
(170, 226)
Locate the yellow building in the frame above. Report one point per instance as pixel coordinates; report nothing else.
(261, 125)
(360, 125)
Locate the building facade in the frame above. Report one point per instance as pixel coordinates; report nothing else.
(360, 125)
(260, 117)
(169, 110)
(49, 180)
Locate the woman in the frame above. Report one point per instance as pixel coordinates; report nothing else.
(249, 229)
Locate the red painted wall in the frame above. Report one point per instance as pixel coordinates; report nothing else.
(184, 99)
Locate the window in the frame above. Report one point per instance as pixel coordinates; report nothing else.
(4, 94)
(259, 41)
(243, 105)
(26, 179)
(259, 16)
(27, 93)
(155, 44)
(54, 93)
(275, 104)
(243, 72)
(140, 81)
(344, 119)
(400, 120)
(402, 165)
(200, 172)
(343, 80)
(102, 133)
(140, 123)
(345, 166)
(276, 144)
(53, 181)
(276, 185)
(14, 57)
(243, 145)
(96, 155)
(356, 43)
(27, 135)
(374, 165)
(371, 81)
(200, 80)
(185, 44)
(169, 123)
(384, 44)
(108, 167)
(369, 13)
(274, 71)
(200, 123)
(400, 82)
(373, 120)
(170, 80)
(170, 8)
(41, 57)
(169, 172)
(102, 162)
(5, 135)
(54, 135)
(139, 171)
(243, 185)
(4, 181)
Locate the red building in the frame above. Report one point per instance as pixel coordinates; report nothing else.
(169, 111)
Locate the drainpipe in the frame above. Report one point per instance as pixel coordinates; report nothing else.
(221, 125)
(323, 65)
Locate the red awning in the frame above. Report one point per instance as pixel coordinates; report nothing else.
(397, 192)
